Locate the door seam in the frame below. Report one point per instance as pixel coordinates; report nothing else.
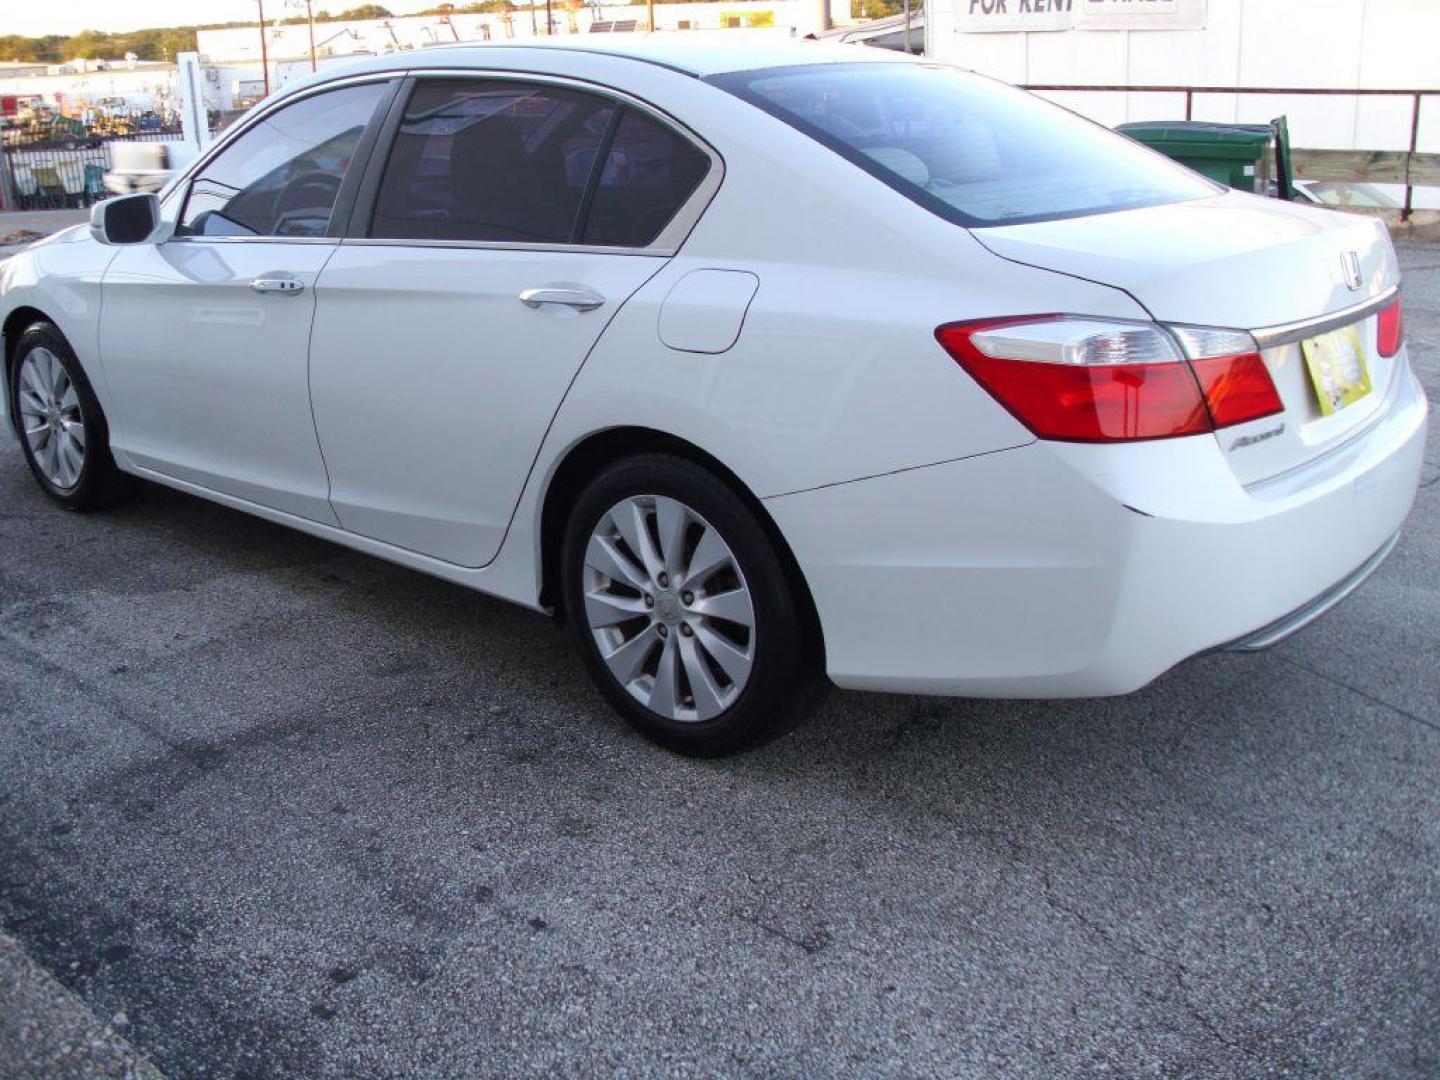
(310, 387)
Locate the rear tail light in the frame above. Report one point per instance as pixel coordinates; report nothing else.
(1232, 374)
(1391, 329)
(1093, 380)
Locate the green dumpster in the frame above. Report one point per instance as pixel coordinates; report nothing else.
(1233, 154)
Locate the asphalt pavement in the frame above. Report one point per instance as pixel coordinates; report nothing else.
(291, 811)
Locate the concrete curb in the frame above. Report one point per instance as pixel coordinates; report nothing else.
(47, 1030)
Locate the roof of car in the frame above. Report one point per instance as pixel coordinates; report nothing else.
(692, 52)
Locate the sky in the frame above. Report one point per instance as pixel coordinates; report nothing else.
(35, 17)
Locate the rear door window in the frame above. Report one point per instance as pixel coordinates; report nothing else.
(282, 177)
(650, 172)
(508, 161)
(491, 160)
(971, 149)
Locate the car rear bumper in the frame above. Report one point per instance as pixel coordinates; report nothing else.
(1288, 625)
(1058, 570)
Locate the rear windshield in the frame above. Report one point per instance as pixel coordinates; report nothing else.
(971, 149)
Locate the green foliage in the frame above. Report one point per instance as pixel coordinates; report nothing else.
(157, 44)
(363, 11)
(469, 9)
(162, 43)
(878, 9)
(34, 50)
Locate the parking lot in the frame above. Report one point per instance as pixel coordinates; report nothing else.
(271, 808)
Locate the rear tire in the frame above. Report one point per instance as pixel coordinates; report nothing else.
(683, 610)
(63, 432)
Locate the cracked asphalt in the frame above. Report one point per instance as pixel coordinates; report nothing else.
(289, 811)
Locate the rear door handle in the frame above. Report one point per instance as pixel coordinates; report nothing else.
(579, 299)
(277, 285)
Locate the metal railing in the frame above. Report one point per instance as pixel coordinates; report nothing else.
(59, 173)
(1416, 97)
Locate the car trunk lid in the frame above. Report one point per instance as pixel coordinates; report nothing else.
(1281, 271)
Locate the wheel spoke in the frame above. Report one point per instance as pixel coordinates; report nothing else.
(47, 455)
(58, 378)
(732, 605)
(36, 379)
(732, 661)
(710, 554)
(630, 519)
(709, 700)
(70, 400)
(72, 456)
(62, 464)
(31, 403)
(608, 609)
(665, 696)
(76, 430)
(626, 660)
(602, 555)
(671, 522)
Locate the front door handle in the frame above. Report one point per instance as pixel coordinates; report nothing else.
(277, 285)
(579, 299)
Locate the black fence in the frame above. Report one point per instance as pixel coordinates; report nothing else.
(60, 172)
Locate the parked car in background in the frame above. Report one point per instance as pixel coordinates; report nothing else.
(1342, 194)
(757, 364)
(145, 166)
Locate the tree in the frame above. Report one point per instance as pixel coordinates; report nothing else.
(364, 11)
(15, 47)
(156, 44)
(879, 9)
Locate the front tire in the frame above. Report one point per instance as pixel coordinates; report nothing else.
(63, 432)
(683, 610)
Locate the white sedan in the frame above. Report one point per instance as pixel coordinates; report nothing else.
(756, 364)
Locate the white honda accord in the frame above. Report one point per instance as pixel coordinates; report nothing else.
(757, 364)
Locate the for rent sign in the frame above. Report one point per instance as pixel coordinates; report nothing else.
(985, 15)
(1012, 15)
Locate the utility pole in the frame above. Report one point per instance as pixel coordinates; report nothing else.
(650, 14)
(264, 54)
(549, 23)
(310, 18)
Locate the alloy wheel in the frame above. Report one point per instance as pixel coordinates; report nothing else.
(669, 608)
(50, 418)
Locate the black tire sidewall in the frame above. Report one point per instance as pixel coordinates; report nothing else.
(781, 679)
(97, 473)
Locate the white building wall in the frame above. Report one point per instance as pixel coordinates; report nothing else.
(1378, 44)
(142, 88)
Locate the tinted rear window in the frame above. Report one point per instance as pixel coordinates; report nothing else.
(649, 173)
(477, 160)
(971, 149)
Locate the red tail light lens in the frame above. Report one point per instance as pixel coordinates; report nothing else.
(1237, 388)
(1091, 380)
(1082, 380)
(1232, 374)
(1392, 329)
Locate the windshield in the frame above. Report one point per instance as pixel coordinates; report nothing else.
(973, 150)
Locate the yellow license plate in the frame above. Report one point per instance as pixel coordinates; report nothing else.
(1337, 368)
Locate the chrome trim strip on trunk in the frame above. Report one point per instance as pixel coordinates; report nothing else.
(1304, 615)
(1270, 336)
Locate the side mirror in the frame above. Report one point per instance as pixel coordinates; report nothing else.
(126, 219)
